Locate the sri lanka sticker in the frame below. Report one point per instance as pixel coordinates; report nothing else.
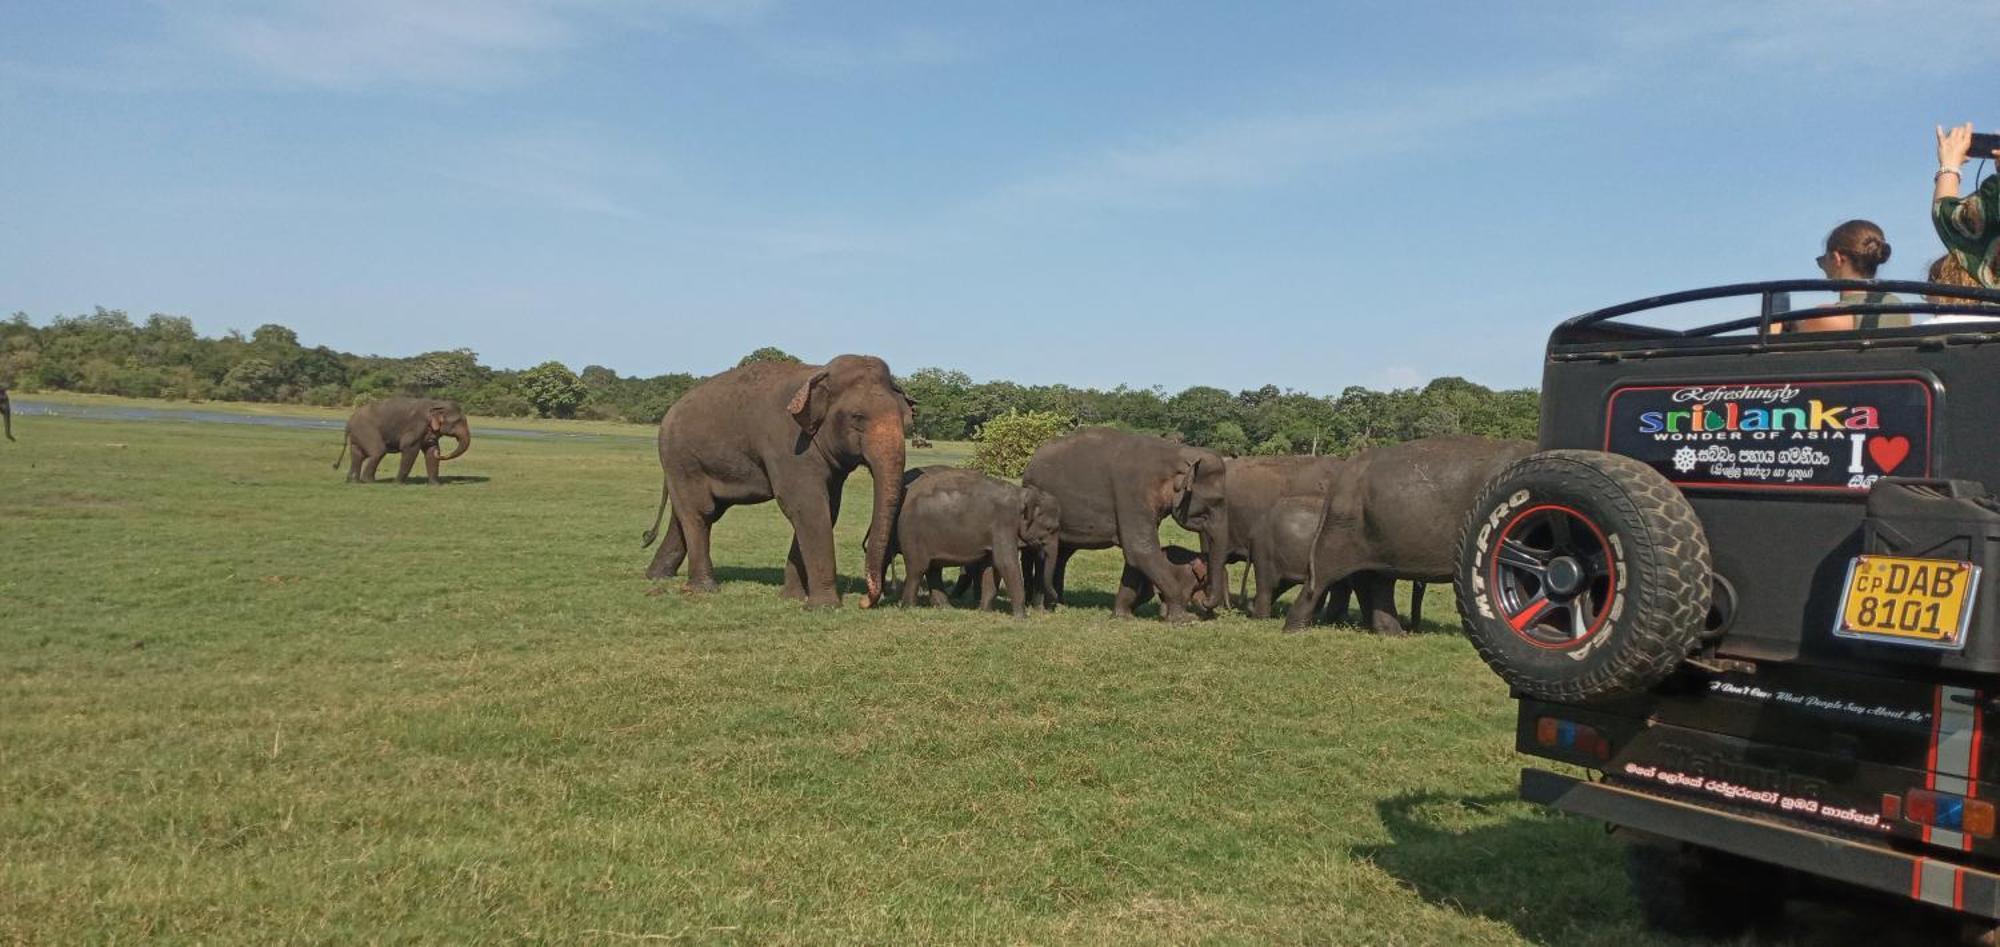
(1798, 435)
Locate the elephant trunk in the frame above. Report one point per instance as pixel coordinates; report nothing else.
(462, 433)
(1215, 549)
(882, 451)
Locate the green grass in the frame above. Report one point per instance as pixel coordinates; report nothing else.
(241, 701)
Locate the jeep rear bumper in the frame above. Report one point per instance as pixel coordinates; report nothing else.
(1971, 890)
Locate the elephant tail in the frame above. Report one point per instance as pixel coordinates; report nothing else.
(653, 532)
(1312, 556)
(344, 437)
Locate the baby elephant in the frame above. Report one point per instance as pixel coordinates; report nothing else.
(1134, 589)
(956, 517)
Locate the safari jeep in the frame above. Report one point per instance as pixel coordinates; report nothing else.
(1748, 584)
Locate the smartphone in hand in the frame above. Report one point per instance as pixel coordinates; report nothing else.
(1984, 144)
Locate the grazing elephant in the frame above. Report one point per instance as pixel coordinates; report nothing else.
(7, 414)
(406, 426)
(957, 517)
(1134, 589)
(1115, 488)
(788, 432)
(1393, 511)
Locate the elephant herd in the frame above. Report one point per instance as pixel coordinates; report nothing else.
(793, 433)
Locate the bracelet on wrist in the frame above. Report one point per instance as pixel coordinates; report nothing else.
(1944, 170)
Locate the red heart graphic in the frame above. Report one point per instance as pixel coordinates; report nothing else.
(1888, 452)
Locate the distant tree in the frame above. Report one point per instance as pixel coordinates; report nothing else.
(769, 353)
(553, 389)
(1197, 411)
(944, 403)
(434, 372)
(252, 379)
(274, 336)
(1228, 439)
(1003, 445)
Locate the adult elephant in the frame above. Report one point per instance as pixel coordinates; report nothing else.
(1114, 489)
(7, 413)
(788, 432)
(1395, 512)
(405, 426)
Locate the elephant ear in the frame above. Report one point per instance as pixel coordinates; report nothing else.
(436, 421)
(808, 405)
(909, 407)
(1184, 478)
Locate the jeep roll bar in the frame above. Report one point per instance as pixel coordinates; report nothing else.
(1773, 308)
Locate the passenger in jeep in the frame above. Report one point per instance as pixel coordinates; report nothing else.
(1946, 270)
(1854, 250)
(1967, 225)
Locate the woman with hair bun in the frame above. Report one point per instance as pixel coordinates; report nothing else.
(1854, 250)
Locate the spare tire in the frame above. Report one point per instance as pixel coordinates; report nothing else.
(1583, 575)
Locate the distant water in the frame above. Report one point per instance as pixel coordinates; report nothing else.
(28, 407)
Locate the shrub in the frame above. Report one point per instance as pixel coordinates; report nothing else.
(554, 390)
(1003, 444)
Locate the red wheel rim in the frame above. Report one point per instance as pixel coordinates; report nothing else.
(1552, 576)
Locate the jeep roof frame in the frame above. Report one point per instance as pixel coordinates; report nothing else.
(1596, 332)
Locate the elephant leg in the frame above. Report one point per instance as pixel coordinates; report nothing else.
(1378, 601)
(934, 579)
(1337, 597)
(1134, 590)
(1267, 589)
(673, 550)
(1002, 567)
(368, 467)
(1416, 606)
(798, 579)
(990, 580)
(1055, 585)
(813, 508)
(405, 460)
(355, 457)
(968, 577)
(695, 512)
(916, 576)
(1305, 607)
(1147, 557)
(431, 465)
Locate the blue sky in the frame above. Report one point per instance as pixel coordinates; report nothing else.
(1308, 194)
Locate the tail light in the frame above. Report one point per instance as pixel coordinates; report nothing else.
(1556, 733)
(1942, 810)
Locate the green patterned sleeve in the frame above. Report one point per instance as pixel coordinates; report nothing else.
(1970, 229)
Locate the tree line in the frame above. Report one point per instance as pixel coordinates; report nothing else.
(106, 352)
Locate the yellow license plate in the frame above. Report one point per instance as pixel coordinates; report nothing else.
(1923, 602)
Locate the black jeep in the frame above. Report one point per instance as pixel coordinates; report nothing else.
(1748, 581)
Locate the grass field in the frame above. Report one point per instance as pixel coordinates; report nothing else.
(241, 701)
